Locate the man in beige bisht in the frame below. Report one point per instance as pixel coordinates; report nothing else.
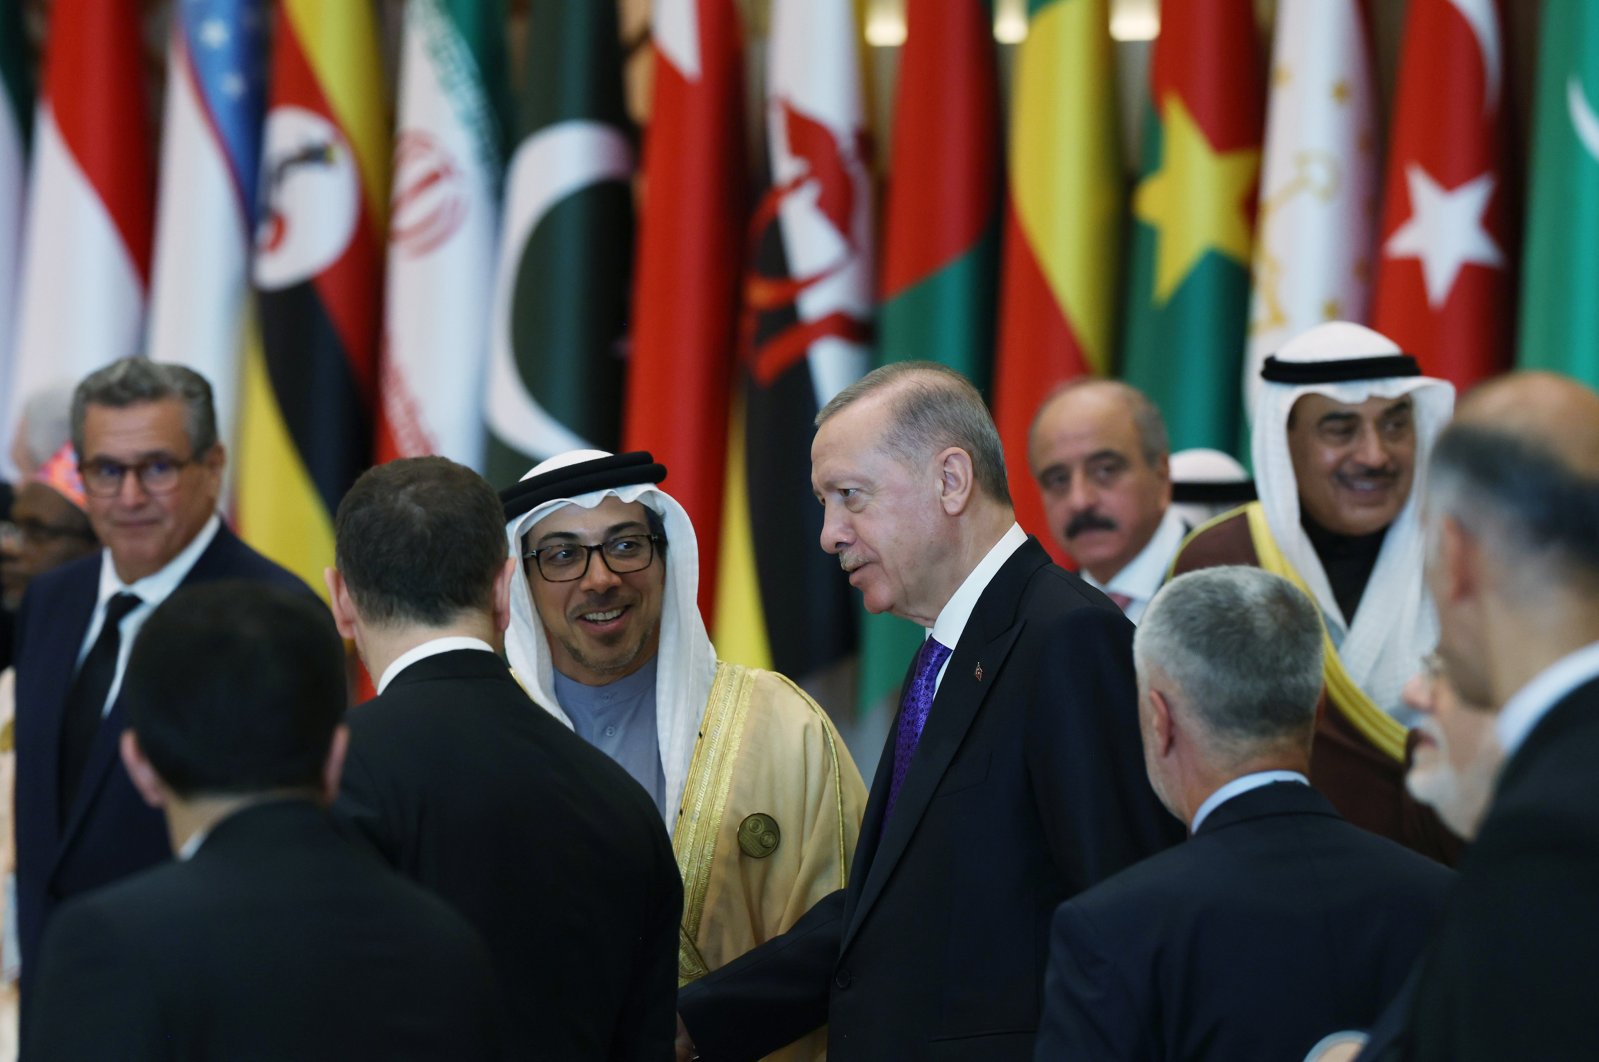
(758, 791)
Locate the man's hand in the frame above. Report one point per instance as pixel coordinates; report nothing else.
(685, 1043)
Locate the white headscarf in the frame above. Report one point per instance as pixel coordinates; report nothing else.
(1395, 625)
(685, 661)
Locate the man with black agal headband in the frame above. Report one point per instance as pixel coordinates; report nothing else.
(759, 793)
(1344, 427)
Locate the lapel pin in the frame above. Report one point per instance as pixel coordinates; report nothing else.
(977, 673)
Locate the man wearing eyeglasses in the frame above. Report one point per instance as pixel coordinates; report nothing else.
(760, 794)
(151, 466)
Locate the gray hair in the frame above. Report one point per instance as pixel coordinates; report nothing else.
(933, 407)
(134, 381)
(1537, 513)
(46, 423)
(1153, 441)
(1244, 649)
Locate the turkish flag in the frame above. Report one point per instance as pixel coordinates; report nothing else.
(1445, 287)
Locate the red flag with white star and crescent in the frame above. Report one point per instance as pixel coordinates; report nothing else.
(1445, 289)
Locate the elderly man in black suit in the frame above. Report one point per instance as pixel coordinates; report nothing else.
(1278, 922)
(1010, 780)
(461, 782)
(271, 936)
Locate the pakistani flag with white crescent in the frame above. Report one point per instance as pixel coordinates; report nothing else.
(561, 290)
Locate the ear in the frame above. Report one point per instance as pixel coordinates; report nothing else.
(957, 480)
(1162, 726)
(1459, 562)
(344, 615)
(502, 594)
(1163, 473)
(216, 459)
(333, 766)
(141, 773)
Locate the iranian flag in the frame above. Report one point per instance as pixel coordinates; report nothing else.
(16, 121)
(443, 219)
(559, 315)
(86, 266)
(1445, 291)
(1187, 305)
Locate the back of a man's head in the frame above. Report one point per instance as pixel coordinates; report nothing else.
(419, 541)
(236, 687)
(1240, 651)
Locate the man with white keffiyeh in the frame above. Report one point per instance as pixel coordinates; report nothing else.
(1344, 425)
(758, 791)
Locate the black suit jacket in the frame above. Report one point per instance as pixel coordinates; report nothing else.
(1278, 923)
(1513, 972)
(277, 940)
(1028, 786)
(559, 858)
(110, 831)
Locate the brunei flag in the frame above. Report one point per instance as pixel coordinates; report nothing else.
(940, 239)
(306, 422)
(16, 121)
(560, 300)
(679, 378)
(1187, 304)
(781, 601)
(1063, 226)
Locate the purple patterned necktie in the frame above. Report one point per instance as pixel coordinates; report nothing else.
(913, 713)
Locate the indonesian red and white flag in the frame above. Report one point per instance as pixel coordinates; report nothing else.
(1445, 290)
(86, 264)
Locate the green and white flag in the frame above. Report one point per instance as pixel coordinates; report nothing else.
(16, 120)
(561, 290)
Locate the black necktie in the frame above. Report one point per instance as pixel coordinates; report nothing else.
(86, 700)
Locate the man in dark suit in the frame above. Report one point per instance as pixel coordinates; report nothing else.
(1011, 778)
(1278, 922)
(1513, 563)
(461, 782)
(271, 937)
(151, 465)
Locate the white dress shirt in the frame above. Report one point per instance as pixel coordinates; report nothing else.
(951, 621)
(1143, 575)
(1238, 787)
(427, 649)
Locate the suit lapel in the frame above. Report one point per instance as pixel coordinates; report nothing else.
(56, 680)
(990, 633)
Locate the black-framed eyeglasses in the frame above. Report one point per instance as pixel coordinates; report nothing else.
(37, 533)
(103, 477)
(565, 561)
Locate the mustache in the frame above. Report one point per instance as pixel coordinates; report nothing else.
(1385, 473)
(1089, 520)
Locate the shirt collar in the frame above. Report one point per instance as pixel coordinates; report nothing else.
(952, 618)
(1142, 576)
(157, 587)
(1548, 688)
(1239, 786)
(429, 648)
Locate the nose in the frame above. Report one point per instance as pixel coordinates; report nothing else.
(1082, 495)
(835, 530)
(599, 577)
(1369, 447)
(1417, 693)
(131, 490)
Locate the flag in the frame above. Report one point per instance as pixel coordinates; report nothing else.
(940, 238)
(1063, 226)
(679, 377)
(444, 215)
(1187, 303)
(1444, 286)
(86, 247)
(201, 308)
(1560, 281)
(16, 123)
(306, 421)
(1316, 228)
(560, 298)
(807, 303)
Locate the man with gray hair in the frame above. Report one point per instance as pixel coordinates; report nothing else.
(151, 466)
(1278, 922)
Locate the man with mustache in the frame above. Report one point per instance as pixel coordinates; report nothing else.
(760, 794)
(1343, 427)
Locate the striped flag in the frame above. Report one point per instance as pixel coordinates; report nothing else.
(306, 422)
(1317, 224)
(201, 309)
(781, 601)
(560, 298)
(1187, 304)
(940, 238)
(1063, 226)
(86, 265)
(444, 204)
(680, 375)
(1445, 290)
(1559, 307)
(16, 124)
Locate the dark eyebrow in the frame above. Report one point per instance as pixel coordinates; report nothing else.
(1337, 417)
